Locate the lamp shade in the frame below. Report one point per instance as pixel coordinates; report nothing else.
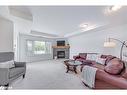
(109, 44)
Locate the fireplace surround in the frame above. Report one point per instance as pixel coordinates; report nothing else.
(61, 52)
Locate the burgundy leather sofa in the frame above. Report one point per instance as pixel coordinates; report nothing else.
(104, 80)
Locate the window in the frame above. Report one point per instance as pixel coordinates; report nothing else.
(38, 47)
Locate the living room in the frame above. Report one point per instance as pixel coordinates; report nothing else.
(44, 38)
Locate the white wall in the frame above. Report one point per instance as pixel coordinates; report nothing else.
(32, 58)
(94, 40)
(6, 35)
(20, 26)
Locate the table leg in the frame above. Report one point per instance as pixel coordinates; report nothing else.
(75, 69)
(67, 69)
(81, 68)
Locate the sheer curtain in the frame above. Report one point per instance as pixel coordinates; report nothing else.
(48, 47)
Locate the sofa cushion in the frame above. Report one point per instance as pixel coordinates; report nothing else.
(16, 71)
(88, 61)
(114, 66)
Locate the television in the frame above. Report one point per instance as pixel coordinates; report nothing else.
(60, 43)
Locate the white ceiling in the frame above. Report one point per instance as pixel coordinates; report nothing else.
(65, 20)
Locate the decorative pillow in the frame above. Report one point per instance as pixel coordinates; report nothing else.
(7, 64)
(92, 57)
(114, 66)
(100, 61)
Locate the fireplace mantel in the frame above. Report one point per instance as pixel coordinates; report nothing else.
(67, 46)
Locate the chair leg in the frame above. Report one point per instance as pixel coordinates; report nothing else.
(24, 76)
(6, 86)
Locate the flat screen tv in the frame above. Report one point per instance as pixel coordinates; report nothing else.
(60, 43)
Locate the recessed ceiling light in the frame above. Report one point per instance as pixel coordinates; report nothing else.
(115, 8)
(112, 9)
(83, 25)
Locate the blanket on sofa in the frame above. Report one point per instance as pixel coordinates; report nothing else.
(88, 75)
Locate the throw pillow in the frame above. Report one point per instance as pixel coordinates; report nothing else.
(91, 57)
(100, 61)
(7, 64)
(114, 66)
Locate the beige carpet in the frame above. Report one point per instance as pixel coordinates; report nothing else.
(49, 74)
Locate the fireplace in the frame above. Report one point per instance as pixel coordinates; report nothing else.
(60, 54)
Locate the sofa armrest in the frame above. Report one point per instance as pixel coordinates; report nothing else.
(111, 79)
(20, 64)
(4, 76)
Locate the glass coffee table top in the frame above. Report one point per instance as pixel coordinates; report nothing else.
(74, 62)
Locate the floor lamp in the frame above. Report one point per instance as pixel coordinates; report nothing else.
(110, 43)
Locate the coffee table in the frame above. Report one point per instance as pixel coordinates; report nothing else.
(71, 65)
